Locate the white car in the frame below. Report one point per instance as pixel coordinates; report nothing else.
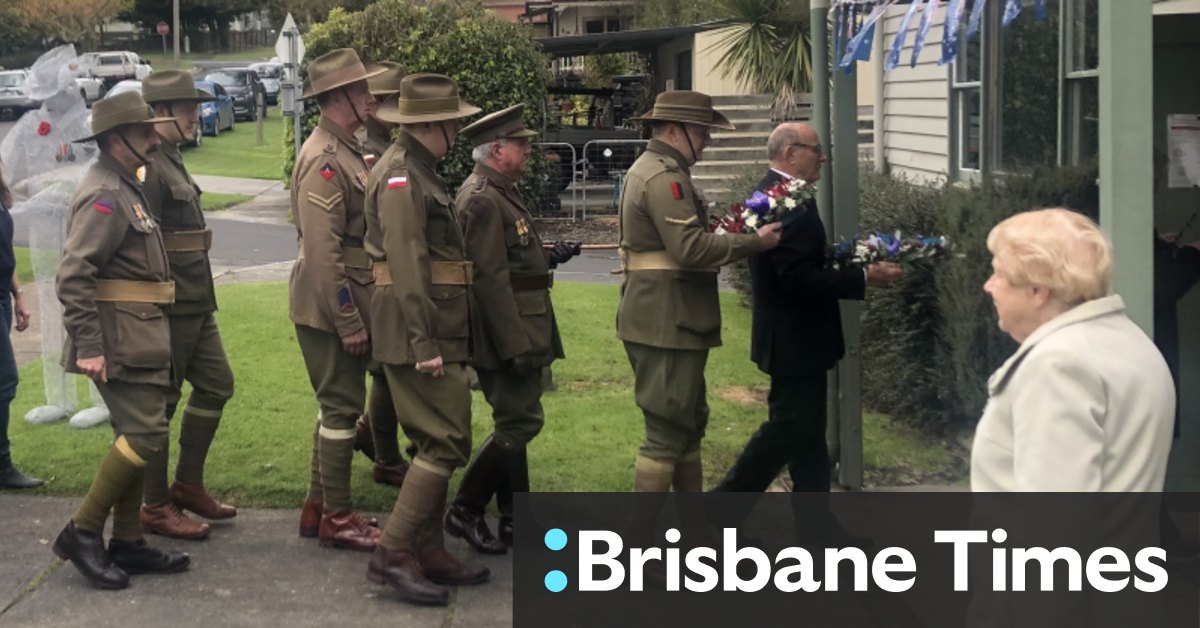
(90, 87)
(15, 98)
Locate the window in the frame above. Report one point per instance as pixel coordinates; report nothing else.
(593, 26)
(1080, 122)
(1026, 94)
(966, 103)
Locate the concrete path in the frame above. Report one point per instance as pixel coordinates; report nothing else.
(253, 571)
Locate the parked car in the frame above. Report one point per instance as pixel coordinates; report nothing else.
(217, 115)
(15, 98)
(246, 89)
(90, 87)
(114, 67)
(136, 86)
(271, 74)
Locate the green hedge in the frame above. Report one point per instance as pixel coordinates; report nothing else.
(930, 341)
(496, 64)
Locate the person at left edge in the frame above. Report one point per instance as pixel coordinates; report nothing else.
(330, 290)
(12, 302)
(114, 282)
(197, 353)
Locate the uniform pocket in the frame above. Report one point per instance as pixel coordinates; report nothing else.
(453, 311)
(143, 337)
(533, 306)
(184, 193)
(697, 307)
(530, 302)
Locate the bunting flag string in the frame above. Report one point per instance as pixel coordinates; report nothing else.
(893, 57)
(1011, 11)
(976, 17)
(923, 32)
(859, 48)
(954, 15)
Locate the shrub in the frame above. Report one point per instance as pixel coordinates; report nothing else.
(496, 64)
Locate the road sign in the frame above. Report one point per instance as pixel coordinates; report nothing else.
(163, 28)
(283, 45)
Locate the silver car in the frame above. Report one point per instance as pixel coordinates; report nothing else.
(271, 74)
(14, 93)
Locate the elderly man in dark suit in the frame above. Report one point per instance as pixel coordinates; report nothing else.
(797, 331)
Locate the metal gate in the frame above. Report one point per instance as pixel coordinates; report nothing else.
(604, 164)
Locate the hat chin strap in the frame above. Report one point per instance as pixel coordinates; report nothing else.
(446, 136)
(346, 95)
(687, 136)
(125, 141)
(175, 121)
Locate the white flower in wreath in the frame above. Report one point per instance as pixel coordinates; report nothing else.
(771, 202)
(752, 221)
(860, 251)
(789, 203)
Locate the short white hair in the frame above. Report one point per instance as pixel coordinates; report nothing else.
(1057, 249)
(483, 152)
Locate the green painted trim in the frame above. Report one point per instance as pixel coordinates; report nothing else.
(1126, 139)
(846, 410)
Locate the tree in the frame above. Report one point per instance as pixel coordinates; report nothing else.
(663, 13)
(194, 15)
(67, 20)
(768, 48)
(495, 62)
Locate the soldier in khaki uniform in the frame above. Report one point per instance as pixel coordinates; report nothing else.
(518, 335)
(381, 426)
(670, 316)
(421, 325)
(330, 291)
(196, 350)
(113, 282)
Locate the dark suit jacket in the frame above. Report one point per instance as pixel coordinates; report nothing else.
(797, 322)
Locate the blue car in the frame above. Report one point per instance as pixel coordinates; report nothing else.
(216, 116)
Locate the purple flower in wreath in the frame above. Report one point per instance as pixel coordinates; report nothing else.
(759, 203)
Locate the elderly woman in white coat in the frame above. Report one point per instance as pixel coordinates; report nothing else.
(1086, 403)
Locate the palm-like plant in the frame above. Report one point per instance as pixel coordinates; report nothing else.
(767, 47)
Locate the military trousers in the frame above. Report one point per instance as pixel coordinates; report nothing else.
(516, 401)
(435, 413)
(198, 357)
(338, 378)
(669, 388)
(138, 412)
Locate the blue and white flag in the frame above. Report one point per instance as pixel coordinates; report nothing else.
(1011, 11)
(893, 57)
(1039, 10)
(923, 32)
(976, 15)
(856, 49)
(954, 15)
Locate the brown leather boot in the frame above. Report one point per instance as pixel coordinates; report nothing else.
(363, 440)
(401, 570)
(310, 518)
(193, 497)
(167, 520)
(390, 474)
(347, 530)
(442, 567)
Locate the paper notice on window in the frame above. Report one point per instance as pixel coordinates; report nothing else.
(1183, 148)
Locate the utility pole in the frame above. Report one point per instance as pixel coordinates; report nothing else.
(175, 25)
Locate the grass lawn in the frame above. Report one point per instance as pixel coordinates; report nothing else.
(237, 154)
(212, 201)
(185, 60)
(24, 266)
(589, 442)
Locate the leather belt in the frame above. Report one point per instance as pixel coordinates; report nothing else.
(440, 273)
(655, 260)
(182, 241)
(161, 292)
(521, 283)
(352, 257)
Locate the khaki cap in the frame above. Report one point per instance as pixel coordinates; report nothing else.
(425, 98)
(505, 124)
(685, 106)
(336, 69)
(172, 86)
(120, 110)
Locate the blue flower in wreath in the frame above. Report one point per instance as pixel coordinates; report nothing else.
(759, 203)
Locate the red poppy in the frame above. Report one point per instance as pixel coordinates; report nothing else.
(43, 128)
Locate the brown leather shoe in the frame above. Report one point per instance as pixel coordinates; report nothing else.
(401, 570)
(461, 522)
(167, 520)
(390, 474)
(364, 441)
(310, 518)
(347, 530)
(193, 497)
(441, 567)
